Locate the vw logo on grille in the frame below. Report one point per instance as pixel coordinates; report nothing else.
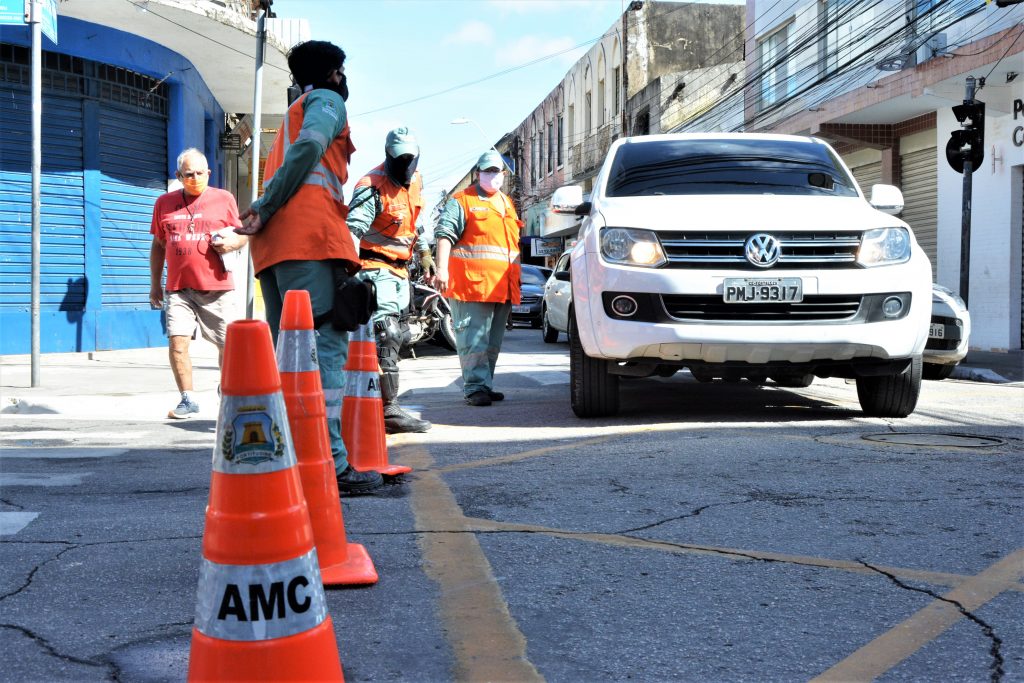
(762, 250)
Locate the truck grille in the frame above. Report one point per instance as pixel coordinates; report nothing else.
(529, 299)
(725, 249)
(812, 308)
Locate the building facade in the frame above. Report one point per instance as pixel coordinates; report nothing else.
(124, 90)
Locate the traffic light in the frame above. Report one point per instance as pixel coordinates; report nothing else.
(968, 143)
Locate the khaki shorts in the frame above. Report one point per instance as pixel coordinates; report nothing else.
(187, 308)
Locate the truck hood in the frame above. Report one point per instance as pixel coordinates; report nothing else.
(743, 212)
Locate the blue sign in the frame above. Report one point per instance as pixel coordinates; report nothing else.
(12, 12)
(49, 19)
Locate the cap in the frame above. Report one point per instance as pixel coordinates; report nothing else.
(400, 141)
(490, 159)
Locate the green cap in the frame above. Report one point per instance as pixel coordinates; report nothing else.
(490, 159)
(400, 141)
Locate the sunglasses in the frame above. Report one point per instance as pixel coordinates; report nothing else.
(193, 174)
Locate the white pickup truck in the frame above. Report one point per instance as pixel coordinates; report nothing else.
(743, 256)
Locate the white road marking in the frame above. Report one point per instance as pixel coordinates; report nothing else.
(13, 522)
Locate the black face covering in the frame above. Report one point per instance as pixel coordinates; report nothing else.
(401, 169)
(340, 88)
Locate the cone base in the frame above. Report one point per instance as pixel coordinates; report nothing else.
(308, 656)
(356, 570)
(386, 469)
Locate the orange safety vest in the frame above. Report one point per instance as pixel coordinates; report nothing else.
(310, 226)
(484, 264)
(393, 232)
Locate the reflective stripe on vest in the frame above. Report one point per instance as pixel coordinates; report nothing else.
(253, 435)
(485, 252)
(296, 351)
(392, 240)
(362, 384)
(262, 601)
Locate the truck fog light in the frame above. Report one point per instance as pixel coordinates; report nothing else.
(624, 306)
(892, 306)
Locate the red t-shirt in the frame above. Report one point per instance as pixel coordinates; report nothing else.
(184, 224)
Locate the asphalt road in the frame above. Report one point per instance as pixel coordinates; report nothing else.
(710, 532)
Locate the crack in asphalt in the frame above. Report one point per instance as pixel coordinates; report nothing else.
(692, 513)
(75, 546)
(996, 667)
(4, 501)
(114, 673)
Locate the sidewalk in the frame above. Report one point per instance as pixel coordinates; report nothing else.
(137, 383)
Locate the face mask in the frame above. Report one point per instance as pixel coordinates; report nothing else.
(340, 88)
(400, 169)
(195, 185)
(491, 181)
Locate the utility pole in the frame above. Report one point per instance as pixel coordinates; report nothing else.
(965, 152)
(35, 22)
(257, 113)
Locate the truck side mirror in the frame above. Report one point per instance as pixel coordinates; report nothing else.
(566, 199)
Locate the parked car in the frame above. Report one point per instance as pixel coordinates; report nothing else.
(531, 285)
(557, 297)
(743, 256)
(947, 334)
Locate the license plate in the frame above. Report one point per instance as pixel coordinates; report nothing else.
(517, 308)
(936, 331)
(754, 290)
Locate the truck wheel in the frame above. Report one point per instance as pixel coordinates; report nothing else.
(550, 333)
(891, 395)
(933, 371)
(594, 391)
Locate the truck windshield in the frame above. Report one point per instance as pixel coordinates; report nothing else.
(716, 166)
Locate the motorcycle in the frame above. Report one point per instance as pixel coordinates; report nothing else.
(428, 317)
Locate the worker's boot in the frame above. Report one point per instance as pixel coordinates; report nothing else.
(396, 420)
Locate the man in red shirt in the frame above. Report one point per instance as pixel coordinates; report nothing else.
(193, 230)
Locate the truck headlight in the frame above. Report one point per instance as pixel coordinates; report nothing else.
(632, 247)
(884, 247)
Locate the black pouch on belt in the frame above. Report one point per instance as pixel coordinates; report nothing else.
(354, 303)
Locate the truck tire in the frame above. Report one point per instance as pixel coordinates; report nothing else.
(891, 395)
(594, 391)
(550, 333)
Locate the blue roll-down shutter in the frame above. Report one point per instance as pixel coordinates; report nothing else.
(62, 225)
(133, 166)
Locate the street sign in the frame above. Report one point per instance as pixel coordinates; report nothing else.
(12, 12)
(15, 13)
(49, 19)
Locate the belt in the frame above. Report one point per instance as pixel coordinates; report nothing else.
(368, 254)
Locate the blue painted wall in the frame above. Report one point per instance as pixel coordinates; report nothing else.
(194, 120)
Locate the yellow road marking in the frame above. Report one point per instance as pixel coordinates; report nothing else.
(485, 639)
(906, 638)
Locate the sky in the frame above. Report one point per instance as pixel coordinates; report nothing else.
(403, 50)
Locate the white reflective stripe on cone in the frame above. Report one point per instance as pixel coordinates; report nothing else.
(296, 351)
(253, 435)
(260, 602)
(362, 384)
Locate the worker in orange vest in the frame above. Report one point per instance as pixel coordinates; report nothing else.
(382, 214)
(299, 238)
(478, 269)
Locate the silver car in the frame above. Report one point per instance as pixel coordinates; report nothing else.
(947, 335)
(557, 297)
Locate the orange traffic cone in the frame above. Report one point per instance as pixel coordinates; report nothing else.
(341, 563)
(260, 611)
(362, 409)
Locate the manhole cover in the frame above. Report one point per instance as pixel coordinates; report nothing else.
(936, 440)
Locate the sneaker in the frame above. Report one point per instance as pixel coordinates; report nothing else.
(352, 481)
(397, 421)
(186, 409)
(495, 395)
(479, 398)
